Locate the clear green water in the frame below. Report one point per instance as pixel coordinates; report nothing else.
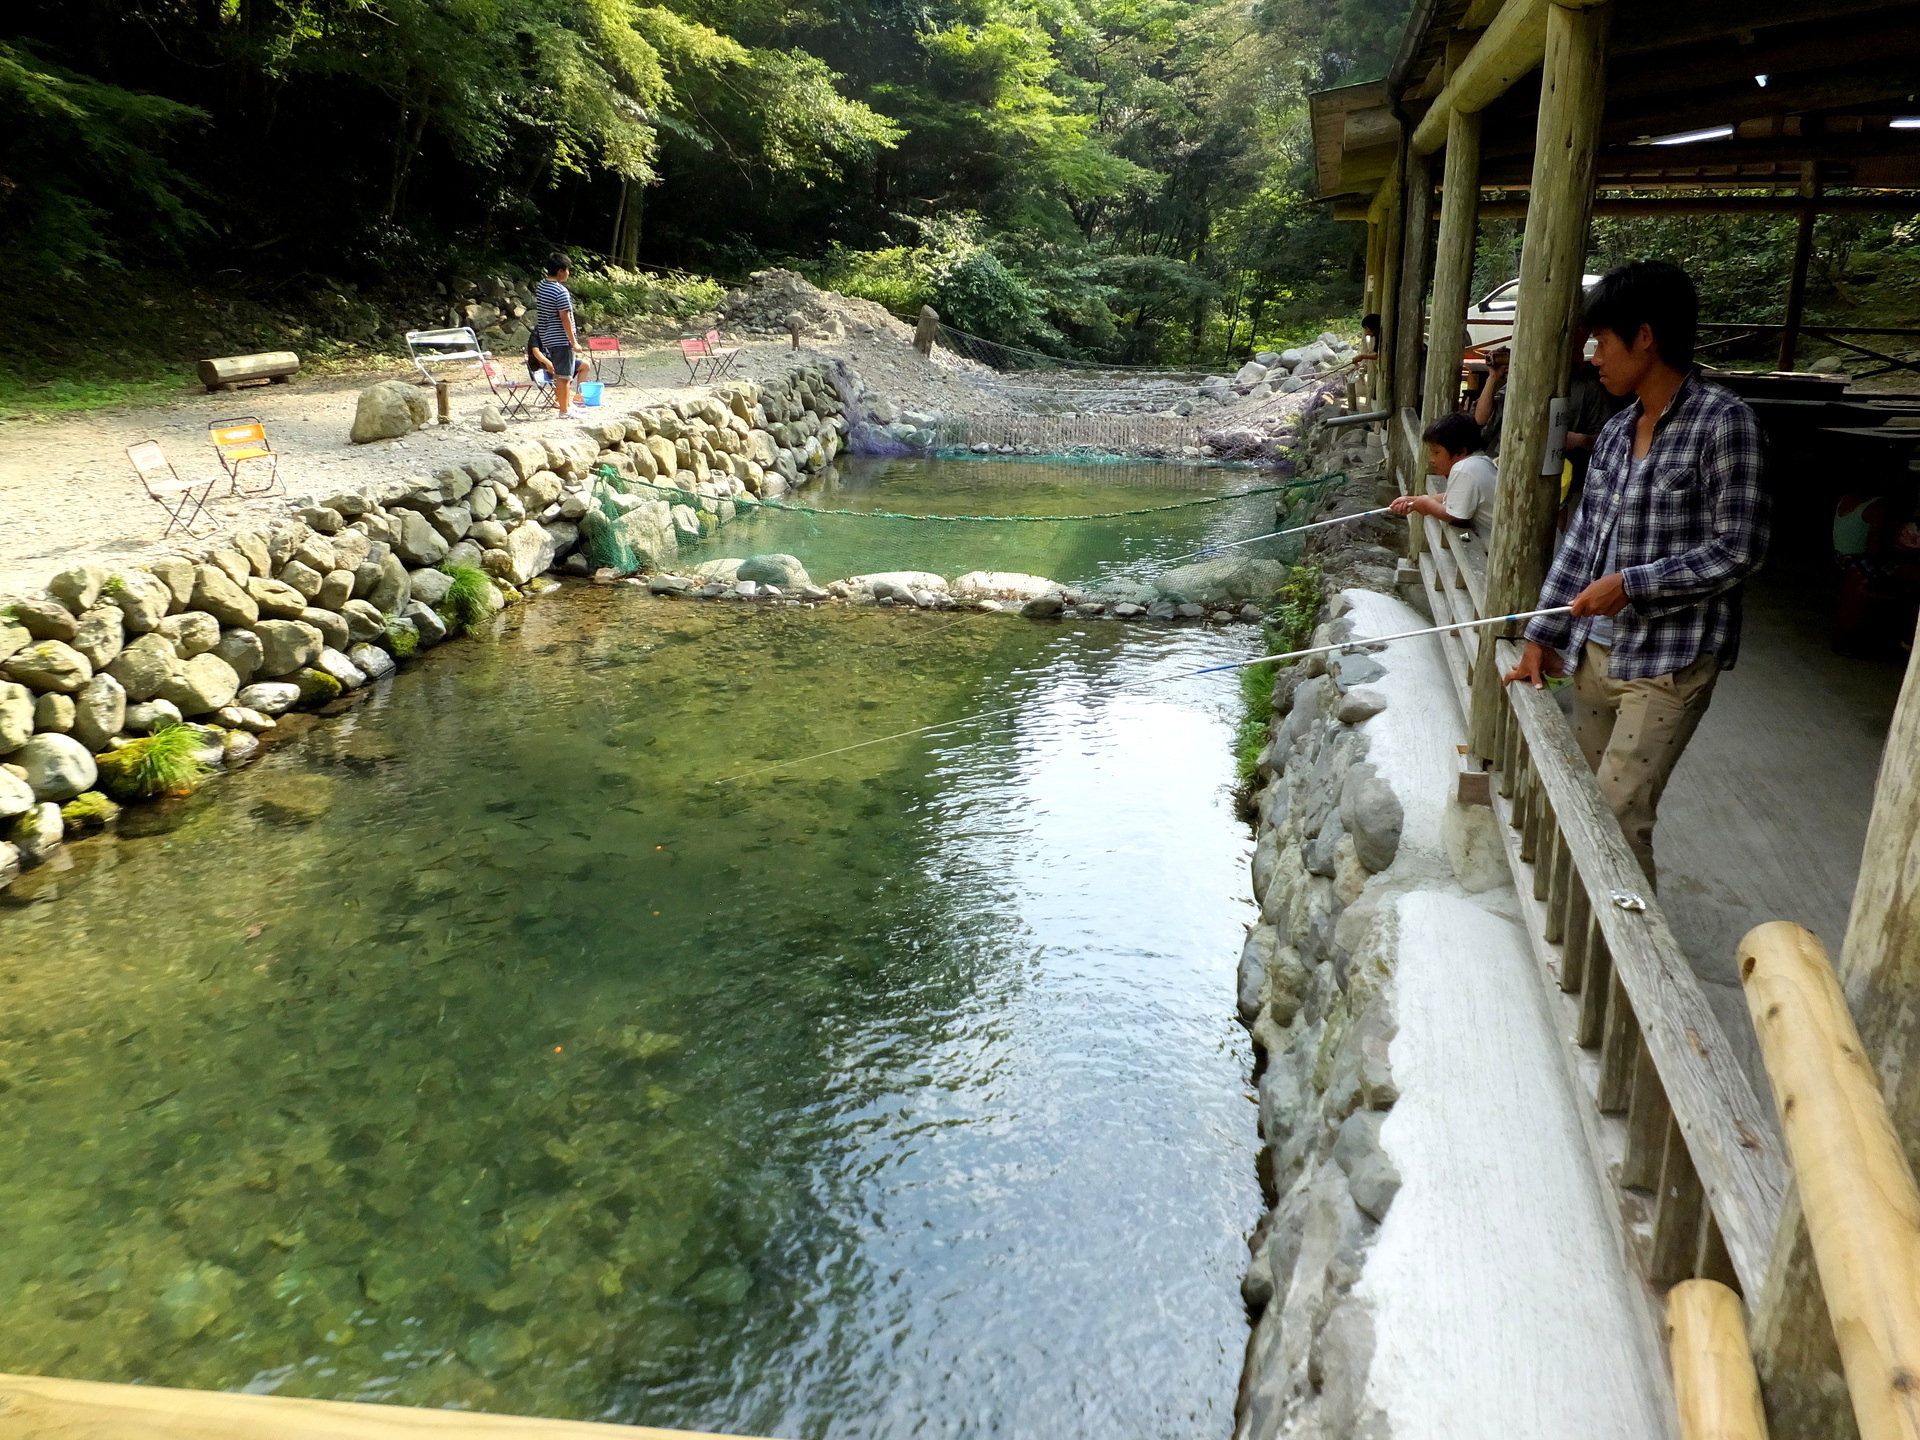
(1098, 554)
(895, 1094)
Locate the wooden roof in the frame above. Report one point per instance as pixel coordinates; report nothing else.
(1355, 138)
(1836, 72)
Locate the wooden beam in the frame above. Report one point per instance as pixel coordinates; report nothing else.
(1552, 259)
(1715, 1388)
(1725, 60)
(1516, 209)
(37, 1407)
(1453, 265)
(1856, 1190)
(1509, 47)
(1695, 108)
(1802, 254)
(1416, 262)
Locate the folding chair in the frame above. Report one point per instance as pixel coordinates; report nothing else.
(163, 482)
(241, 442)
(516, 397)
(609, 365)
(723, 357)
(428, 348)
(693, 350)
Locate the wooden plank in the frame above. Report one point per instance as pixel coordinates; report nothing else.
(1856, 1189)
(1678, 1212)
(1732, 1139)
(38, 1407)
(1595, 987)
(1557, 888)
(1619, 1042)
(1579, 931)
(1470, 554)
(1647, 1118)
(1715, 1387)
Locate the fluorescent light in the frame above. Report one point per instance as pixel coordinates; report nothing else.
(1761, 81)
(1718, 132)
(1904, 122)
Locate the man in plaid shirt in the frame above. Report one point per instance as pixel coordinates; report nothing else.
(1673, 520)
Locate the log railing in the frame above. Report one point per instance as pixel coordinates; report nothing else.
(1692, 1156)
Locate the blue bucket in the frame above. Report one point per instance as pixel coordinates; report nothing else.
(590, 392)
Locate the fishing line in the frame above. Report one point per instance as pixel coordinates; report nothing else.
(1274, 534)
(1343, 645)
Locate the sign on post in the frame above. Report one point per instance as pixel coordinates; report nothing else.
(1556, 452)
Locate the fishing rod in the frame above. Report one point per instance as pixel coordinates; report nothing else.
(1343, 645)
(1274, 534)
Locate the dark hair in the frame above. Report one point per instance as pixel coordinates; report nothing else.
(557, 261)
(1456, 432)
(1651, 293)
(1371, 322)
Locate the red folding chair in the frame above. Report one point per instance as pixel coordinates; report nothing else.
(242, 443)
(516, 397)
(722, 356)
(609, 365)
(185, 501)
(693, 350)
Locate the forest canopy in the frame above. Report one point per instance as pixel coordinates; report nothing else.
(1121, 177)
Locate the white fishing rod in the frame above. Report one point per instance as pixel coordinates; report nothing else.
(1355, 644)
(1275, 534)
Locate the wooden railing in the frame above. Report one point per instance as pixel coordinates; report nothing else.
(1691, 1154)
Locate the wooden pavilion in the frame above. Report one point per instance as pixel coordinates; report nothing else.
(1557, 110)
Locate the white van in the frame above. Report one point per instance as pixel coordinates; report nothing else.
(1490, 319)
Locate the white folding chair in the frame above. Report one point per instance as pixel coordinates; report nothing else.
(430, 348)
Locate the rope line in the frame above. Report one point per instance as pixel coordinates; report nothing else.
(1275, 534)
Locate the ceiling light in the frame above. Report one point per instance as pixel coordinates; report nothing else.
(1904, 122)
(1761, 81)
(1688, 137)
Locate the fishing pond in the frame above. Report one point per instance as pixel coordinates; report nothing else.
(544, 1036)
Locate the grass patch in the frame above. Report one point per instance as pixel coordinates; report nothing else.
(1289, 625)
(165, 763)
(21, 397)
(467, 601)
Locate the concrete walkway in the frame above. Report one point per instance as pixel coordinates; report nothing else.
(1767, 814)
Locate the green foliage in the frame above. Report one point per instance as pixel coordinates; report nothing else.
(606, 293)
(466, 603)
(1289, 626)
(403, 639)
(163, 763)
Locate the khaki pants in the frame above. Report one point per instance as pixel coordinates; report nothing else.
(1632, 733)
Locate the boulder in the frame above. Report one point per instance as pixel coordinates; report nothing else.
(16, 797)
(525, 456)
(143, 598)
(88, 813)
(151, 715)
(491, 420)
(1372, 815)
(239, 717)
(418, 542)
(253, 545)
(336, 588)
(53, 713)
(332, 627)
(16, 715)
(349, 549)
(58, 767)
(275, 599)
(215, 592)
(323, 518)
(37, 834)
(285, 646)
(317, 553)
(317, 688)
(529, 551)
(193, 632)
(1003, 585)
(431, 586)
(12, 637)
(335, 663)
(269, 697)
(231, 563)
(364, 623)
(451, 521)
(240, 649)
(388, 410)
(426, 622)
(78, 588)
(371, 660)
(898, 581)
(299, 576)
(99, 710)
(49, 665)
(145, 665)
(100, 635)
(202, 685)
(775, 569)
(45, 619)
(538, 491)
(1213, 582)
(176, 573)
(391, 589)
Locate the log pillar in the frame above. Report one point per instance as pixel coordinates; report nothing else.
(1573, 87)
(1793, 1338)
(1388, 203)
(1416, 261)
(1453, 265)
(1802, 254)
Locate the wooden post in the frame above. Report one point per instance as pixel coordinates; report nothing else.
(1802, 253)
(1880, 974)
(1453, 265)
(1714, 1385)
(927, 331)
(1389, 202)
(443, 401)
(1856, 1190)
(1553, 254)
(1416, 261)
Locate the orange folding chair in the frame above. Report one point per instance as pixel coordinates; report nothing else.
(609, 365)
(185, 501)
(240, 443)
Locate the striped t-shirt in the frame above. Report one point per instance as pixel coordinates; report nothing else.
(551, 300)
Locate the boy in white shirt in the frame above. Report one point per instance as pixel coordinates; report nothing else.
(1454, 454)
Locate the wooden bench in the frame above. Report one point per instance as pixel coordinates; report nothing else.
(275, 367)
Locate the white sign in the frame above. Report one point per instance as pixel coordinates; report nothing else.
(1556, 453)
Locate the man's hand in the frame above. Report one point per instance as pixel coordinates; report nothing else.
(1605, 596)
(1537, 662)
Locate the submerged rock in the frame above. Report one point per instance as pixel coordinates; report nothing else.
(785, 571)
(292, 799)
(1213, 582)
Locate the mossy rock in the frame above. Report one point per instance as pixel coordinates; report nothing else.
(317, 688)
(89, 813)
(127, 776)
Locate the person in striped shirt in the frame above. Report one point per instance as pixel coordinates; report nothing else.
(553, 330)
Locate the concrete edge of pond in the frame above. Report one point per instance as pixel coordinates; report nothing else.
(1434, 1243)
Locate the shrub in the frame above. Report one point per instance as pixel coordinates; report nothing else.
(467, 601)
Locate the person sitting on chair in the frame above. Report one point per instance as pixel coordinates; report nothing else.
(538, 365)
(1454, 454)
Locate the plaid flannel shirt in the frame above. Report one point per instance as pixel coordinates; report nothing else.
(1687, 535)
